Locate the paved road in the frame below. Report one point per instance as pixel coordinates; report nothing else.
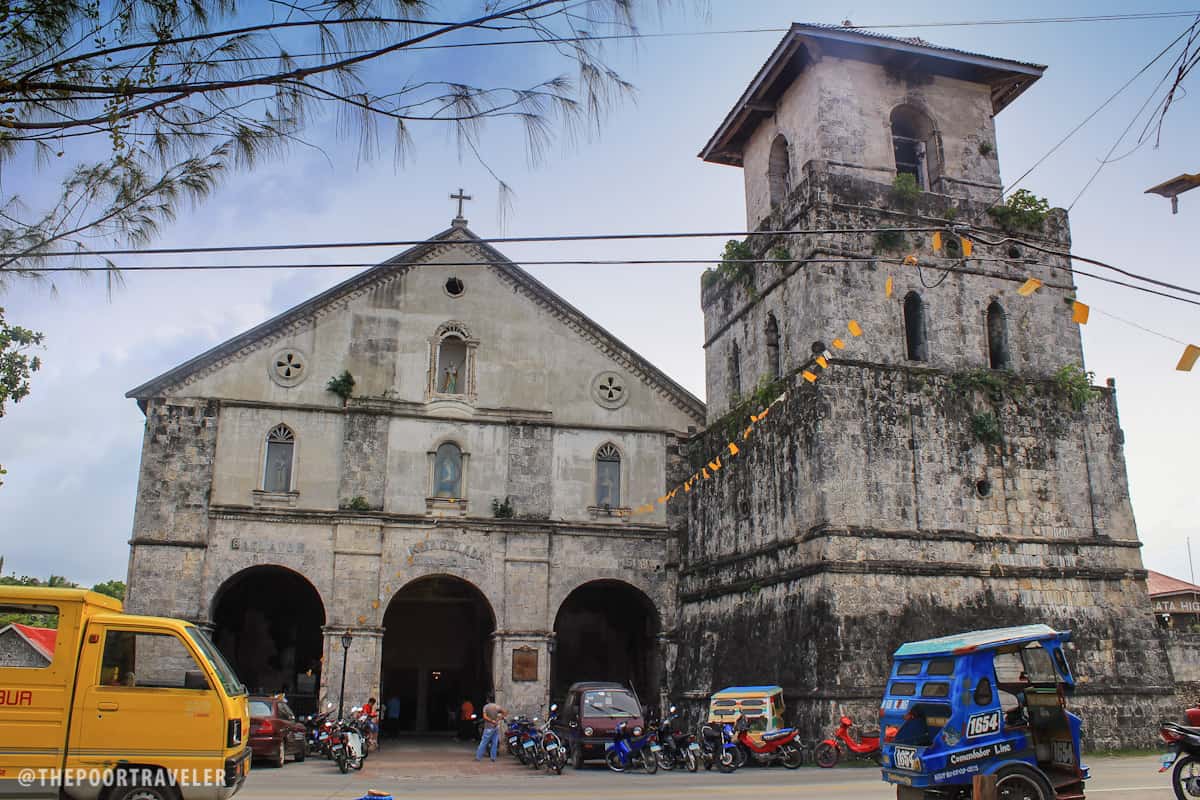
(444, 770)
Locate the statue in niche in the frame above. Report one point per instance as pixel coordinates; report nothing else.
(447, 472)
(450, 379)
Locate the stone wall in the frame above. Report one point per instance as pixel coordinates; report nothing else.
(364, 459)
(170, 521)
(530, 459)
(853, 520)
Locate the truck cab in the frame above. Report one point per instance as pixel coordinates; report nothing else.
(990, 702)
(113, 706)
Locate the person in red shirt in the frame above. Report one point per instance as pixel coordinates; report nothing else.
(372, 716)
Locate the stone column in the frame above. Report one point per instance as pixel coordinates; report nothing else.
(530, 697)
(361, 663)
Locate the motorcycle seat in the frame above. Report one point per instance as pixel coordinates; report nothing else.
(869, 735)
(781, 733)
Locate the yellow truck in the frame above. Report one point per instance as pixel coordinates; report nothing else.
(96, 704)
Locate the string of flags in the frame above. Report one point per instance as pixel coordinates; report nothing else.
(1080, 313)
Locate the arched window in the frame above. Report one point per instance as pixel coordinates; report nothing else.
(447, 471)
(914, 328)
(735, 372)
(281, 443)
(914, 143)
(997, 334)
(608, 477)
(779, 171)
(772, 337)
(452, 358)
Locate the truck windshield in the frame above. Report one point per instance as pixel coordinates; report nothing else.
(610, 703)
(224, 672)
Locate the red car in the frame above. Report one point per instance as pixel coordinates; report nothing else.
(275, 733)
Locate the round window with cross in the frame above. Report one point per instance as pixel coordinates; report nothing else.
(288, 366)
(610, 389)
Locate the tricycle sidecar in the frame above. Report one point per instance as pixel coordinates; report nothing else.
(990, 702)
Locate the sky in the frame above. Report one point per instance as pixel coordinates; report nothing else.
(73, 447)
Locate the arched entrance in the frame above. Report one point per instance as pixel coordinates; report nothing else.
(267, 621)
(606, 631)
(437, 651)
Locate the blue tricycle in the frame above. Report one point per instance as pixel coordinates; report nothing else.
(990, 702)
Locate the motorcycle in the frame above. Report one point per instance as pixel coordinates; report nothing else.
(551, 745)
(778, 745)
(315, 733)
(1184, 741)
(630, 750)
(346, 746)
(718, 745)
(830, 751)
(679, 749)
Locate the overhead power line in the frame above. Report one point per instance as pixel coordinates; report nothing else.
(602, 237)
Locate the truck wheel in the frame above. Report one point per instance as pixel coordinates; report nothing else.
(1022, 783)
(280, 755)
(577, 757)
(827, 755)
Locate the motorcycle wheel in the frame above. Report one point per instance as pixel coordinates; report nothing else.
(827, 755)
(613, 759)
(741, 757)
(665, 761)
(708, 761)
(1185, 778)
(792, 757)
(343, 765)
(727, 762)
(357, 763)
(690, 759)
(650, 762)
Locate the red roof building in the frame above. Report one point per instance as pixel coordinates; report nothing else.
(1176, 602)
(26, 645)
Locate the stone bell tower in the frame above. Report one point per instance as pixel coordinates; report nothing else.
(945, 472)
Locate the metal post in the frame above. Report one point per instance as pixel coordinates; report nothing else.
(983, 787)
(347, 638)
(1191, 567)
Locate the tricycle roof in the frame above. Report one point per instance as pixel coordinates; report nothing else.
(960, 643)
(747, 690)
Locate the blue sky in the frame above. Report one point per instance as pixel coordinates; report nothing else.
(72, 449)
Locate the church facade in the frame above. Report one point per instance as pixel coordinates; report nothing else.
(437, 457)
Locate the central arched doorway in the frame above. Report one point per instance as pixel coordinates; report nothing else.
(267, 621)
(437, 651)
(606, 631)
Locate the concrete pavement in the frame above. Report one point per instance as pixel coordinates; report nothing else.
(437, 770)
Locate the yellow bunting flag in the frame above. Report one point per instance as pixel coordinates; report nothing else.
(808, 376)
(705, 472)
(1080, 312)
(839, 344)
(1190, 354)
(854, 328)
(687, 487)
(374, 604)
(887, 287)
(733, 449)
(1029, 287)
(647, 509)
(746, 433)
(822, 362)
(911, 259)
(715, 464)
(967, 247)
(937, 241)
(763, 414)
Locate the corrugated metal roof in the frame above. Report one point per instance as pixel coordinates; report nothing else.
(973, 640)
(1160, 584)
(914, 40)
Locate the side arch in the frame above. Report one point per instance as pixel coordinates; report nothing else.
(607, 630)
(267, 621)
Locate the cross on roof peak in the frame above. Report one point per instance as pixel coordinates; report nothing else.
(460, 197)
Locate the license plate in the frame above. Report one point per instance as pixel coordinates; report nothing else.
(695, 748)
(529, 745)
(552, 746)
(902, 758)
(654, 748)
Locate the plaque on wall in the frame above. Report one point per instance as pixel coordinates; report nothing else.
(524, 664)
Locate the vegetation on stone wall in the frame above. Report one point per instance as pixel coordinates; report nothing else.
(889, 240)
(780, 253)
(502, 510)
(356, 503)
(986, 428)
(342, 385)
(1075, 384)
(737, 418)
(737, 266)
(997, 384)
(1022, 209)
(905, 190)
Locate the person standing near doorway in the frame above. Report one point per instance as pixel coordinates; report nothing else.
(391, 720)
(466, 720)
(493, 715)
